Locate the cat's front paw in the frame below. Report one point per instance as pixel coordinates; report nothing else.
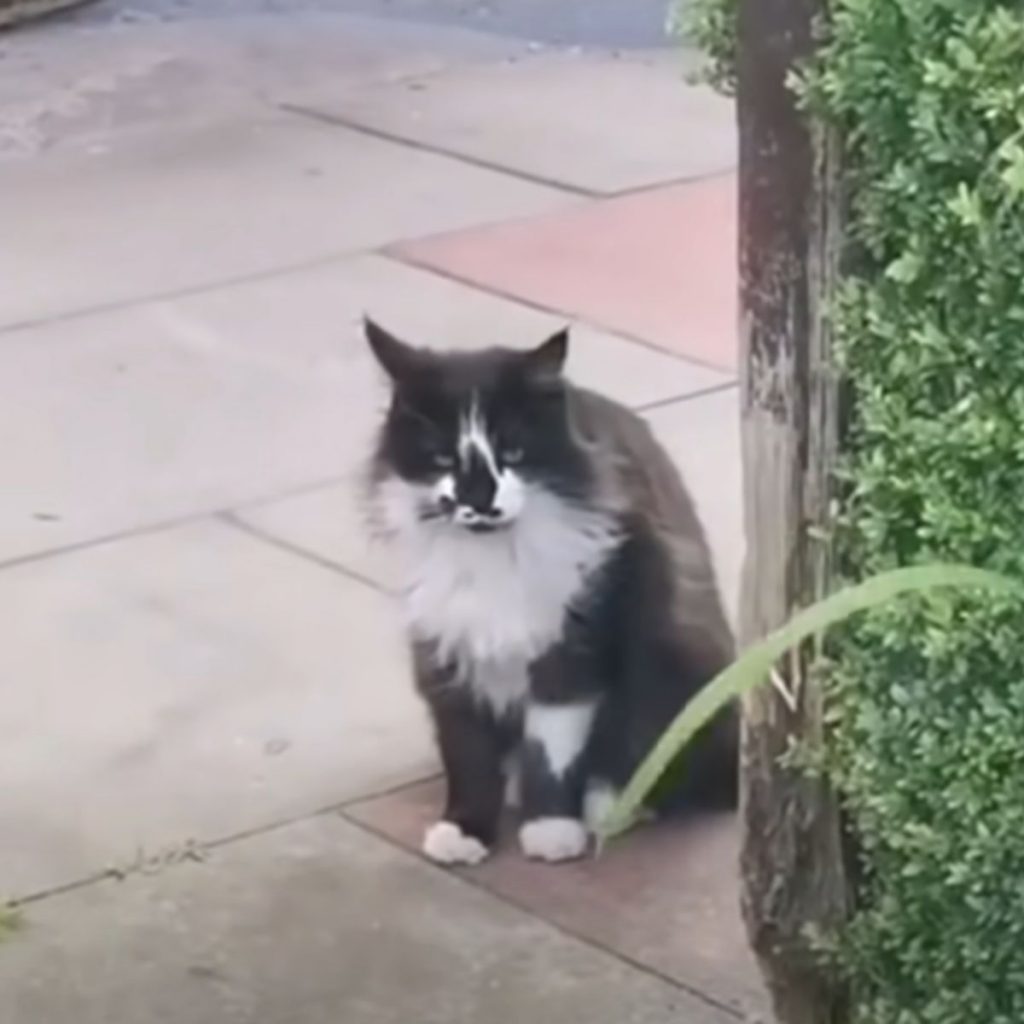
(553, 839)
(445, 843)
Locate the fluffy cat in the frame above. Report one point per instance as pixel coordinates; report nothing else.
(559, 593)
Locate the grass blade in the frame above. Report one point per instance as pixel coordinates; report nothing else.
(10, 921)
(755, 664)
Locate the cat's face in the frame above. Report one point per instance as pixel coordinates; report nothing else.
(474, 435)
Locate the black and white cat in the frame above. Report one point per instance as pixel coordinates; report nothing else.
(560, 597)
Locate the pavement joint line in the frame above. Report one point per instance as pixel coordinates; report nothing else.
(252, 277)
(664, 403)
(108, 538)
(118, 873)
(234, 520)
(473, 881)
(162, 525)
(382, 793)
(237, 280)
(698, 178)
(231, 281)
(393, 252)
(481, 163)
(298, 491)
(310, 112)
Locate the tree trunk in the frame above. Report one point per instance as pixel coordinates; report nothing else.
(795, 888)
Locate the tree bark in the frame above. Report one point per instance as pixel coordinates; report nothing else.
(795, 888)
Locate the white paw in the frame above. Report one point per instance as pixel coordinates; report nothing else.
(553, 839)
(598, 802)
(446, 843)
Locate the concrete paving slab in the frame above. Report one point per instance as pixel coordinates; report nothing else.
(328, 523)
(665, 896)
(660, 265)
(222, 201)
(703, 436)
(539, 116)
(161, 62)
(188, 685)
(144, 415)
(312, 923)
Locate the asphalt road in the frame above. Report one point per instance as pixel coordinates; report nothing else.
(624, 24)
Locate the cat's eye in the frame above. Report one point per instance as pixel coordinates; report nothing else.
(443, 460)
(512, 456)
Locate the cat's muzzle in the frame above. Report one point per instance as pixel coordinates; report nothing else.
(477, 520)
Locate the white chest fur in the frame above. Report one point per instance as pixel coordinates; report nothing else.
(494, 602)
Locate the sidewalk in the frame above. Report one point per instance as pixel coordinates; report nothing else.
(214, 769)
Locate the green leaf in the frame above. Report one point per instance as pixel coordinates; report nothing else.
(1013, 171)
(753, 667)
(966, 206)
(905, 269)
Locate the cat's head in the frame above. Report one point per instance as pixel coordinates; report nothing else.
(472, 436)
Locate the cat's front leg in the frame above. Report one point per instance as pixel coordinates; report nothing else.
(471, 753)
(553, 778)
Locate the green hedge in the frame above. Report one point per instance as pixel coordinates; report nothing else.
(928, 695)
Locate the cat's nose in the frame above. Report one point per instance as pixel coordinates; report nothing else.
(482, 509)
(476, 488)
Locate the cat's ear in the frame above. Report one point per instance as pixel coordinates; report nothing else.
(546, 362)
(399, 360)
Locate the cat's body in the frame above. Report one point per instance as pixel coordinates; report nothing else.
(560, 597)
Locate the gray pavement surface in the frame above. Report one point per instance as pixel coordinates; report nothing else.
(311, 923)
(200, 645)
(599, 23)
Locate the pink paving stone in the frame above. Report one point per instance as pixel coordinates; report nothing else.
(666, 896)
(658, 265)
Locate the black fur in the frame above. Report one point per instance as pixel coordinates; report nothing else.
(522, 392)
